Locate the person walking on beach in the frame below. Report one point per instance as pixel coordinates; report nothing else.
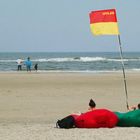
(28, 64)
(36, 67)
(19, 64)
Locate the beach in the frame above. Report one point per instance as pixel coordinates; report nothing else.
(31, 103)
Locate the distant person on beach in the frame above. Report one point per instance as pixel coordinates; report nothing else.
(134, 107)
(36, 67)
(19, 64)
(92, 105)
(28, 64)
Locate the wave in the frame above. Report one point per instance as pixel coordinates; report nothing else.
(4, 61)
(76, 59)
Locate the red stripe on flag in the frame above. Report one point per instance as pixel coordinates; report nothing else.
(103, 16)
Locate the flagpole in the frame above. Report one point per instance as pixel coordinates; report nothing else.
(123, 68)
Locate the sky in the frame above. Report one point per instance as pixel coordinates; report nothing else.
(63, 26)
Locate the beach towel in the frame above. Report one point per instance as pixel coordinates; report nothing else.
(129, 119)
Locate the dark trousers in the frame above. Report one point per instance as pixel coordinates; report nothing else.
(19, 67)
(28, 68)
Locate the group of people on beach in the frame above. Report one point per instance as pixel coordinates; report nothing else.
(27, 63)
(92, 106)
(96, 118)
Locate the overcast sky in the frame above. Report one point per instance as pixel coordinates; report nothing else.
(63, 25)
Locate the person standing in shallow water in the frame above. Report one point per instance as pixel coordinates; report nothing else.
(28, 64)
(19, 64)
(36, 67)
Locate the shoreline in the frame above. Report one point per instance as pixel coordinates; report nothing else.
(68, 72)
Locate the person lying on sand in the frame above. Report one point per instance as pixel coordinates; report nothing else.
(131, 108)
(92, 105)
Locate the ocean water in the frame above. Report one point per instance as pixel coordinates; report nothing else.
(73, 62)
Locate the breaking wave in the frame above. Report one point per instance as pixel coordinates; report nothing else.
(76, 59)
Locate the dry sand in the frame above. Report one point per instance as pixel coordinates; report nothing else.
(31, 103)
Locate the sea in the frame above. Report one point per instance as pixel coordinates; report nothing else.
(87, 62)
